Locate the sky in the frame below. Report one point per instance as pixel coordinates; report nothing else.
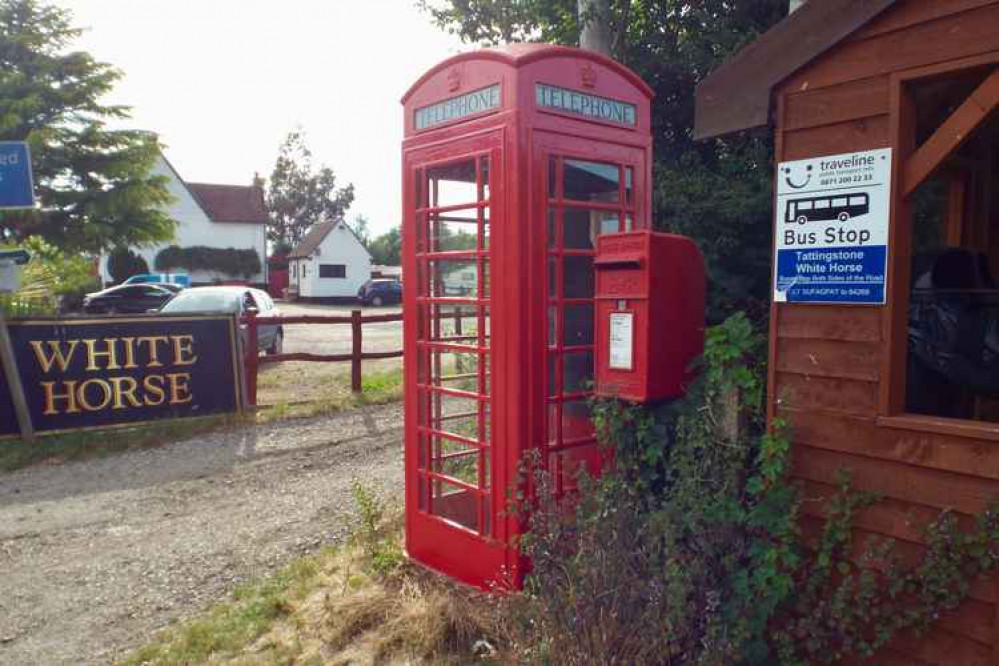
(224, 81)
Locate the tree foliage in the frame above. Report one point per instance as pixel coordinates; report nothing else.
(300, 194)
(361, 230)
(717, 191)
(386, 250)
(123, 264)
(94, 185)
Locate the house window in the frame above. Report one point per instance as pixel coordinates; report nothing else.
(332, 271)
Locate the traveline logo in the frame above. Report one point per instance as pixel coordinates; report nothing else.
(456, 108)
(583, 104)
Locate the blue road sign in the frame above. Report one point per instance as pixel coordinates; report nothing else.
(17, 189)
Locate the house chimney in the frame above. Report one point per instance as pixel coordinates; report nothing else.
(795, 5)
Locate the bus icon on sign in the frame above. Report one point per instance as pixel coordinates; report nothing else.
(824, 209)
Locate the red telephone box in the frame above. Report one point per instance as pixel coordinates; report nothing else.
(515, 161)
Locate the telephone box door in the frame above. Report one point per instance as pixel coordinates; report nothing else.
(590, 189)
(453, 194)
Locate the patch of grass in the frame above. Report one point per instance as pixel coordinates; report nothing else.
(377, 388)
(59, 447)
(230, 626)
(344, 606)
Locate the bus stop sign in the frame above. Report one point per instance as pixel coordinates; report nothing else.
(16, 185)
(832, 228)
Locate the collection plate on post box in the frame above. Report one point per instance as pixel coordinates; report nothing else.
(622, 341)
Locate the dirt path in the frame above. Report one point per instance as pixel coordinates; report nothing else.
(95, 556)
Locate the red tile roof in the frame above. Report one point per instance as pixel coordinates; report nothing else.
(231, 203)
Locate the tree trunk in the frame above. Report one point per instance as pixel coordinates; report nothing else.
(595, 26)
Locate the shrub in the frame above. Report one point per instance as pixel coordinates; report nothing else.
(230, 261)
(689, 550)
(123, 264)
(52, 281)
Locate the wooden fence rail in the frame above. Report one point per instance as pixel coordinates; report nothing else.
(356, 321)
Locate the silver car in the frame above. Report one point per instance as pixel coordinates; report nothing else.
(228, 300)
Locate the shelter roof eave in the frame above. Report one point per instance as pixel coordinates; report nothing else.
(737, 95)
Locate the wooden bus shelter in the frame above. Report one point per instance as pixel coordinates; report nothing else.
(904, 392)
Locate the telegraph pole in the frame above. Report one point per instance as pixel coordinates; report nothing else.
(595, 31)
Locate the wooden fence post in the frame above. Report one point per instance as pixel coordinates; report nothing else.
(355, 357)
(733, 416)
(252, 355)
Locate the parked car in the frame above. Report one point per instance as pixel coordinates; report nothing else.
(172, 286)
(239, 300)
(380, 292)
(183, 279)
(128, 298)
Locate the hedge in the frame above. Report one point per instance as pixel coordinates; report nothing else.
(230, 261)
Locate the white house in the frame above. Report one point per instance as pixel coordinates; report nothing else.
(217, 216)
(329, 263)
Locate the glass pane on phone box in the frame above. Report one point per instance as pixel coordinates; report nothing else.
(456, 323)
(576, 420)
(552, 370)
(484, 177)
(455, 231)
(457, 416)
(485, 437)
(579, 228)
(609, 223)
(458, 461)
(455, 503)
(453, 278)
(578, 325)
(591, 181)
(578, 277)
(452, 184)
(577, 372)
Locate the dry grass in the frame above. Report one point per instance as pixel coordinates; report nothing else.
(341, 607)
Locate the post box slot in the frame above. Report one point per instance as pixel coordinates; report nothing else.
(619, 263)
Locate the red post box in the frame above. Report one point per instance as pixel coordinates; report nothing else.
(650, 314)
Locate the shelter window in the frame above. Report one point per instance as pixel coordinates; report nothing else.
(332, 271)
(949, 243)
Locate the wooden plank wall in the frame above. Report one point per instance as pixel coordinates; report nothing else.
(827, 359)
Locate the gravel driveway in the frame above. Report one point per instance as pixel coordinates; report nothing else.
(335, 339)
(97, 555)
